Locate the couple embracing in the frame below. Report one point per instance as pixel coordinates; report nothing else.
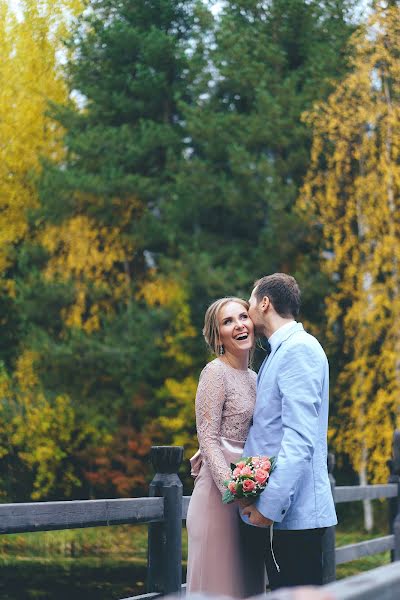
(281, 412)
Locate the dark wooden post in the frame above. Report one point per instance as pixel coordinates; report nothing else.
(164, 563)
(394, 503)
(329, 537)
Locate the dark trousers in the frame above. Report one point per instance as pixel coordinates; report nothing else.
(298, 554)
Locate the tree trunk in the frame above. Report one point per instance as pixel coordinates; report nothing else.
(367, 504)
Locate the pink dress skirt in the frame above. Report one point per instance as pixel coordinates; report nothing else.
(216, 557)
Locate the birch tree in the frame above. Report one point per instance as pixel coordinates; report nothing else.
(352, 190)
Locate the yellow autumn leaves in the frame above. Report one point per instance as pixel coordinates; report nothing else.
(45, 434)
(353, 192)
(89, 258)
(29, 79)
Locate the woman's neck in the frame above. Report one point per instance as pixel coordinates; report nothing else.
(236, 361)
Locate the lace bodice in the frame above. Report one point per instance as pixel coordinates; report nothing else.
(224, 407)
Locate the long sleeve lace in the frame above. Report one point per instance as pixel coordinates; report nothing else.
(210, 399)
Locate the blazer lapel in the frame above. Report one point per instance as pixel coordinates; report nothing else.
(261, 369)
(267, 361)
(264, 362)
(265, 365)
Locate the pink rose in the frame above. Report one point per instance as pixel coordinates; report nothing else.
(265, 465)
(255, 461)
(246, 471)
(232, 487)
(236, 472)
(240, 464)
(261, 476)
(248, 485)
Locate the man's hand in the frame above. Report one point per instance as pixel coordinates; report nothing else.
(243, 502)
(255, 517)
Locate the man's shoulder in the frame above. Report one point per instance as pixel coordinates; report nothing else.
(299, 336)
(302, 341)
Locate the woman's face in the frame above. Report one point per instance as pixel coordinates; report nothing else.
(236, 330)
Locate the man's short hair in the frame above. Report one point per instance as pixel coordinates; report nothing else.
(282, 290)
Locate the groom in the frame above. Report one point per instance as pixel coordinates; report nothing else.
(290, 422)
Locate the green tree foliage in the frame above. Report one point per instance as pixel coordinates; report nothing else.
(181, 154)
(29, 79)
(248, 148)
(231, 217)
(122, 327)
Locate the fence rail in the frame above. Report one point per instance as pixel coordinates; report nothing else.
(382, 582)
(351, 493)
(48, 516)
(346, 554)
(166, 508)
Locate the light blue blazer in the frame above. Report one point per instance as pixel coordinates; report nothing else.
(291, 421)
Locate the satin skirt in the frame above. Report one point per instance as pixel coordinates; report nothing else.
(218, 560)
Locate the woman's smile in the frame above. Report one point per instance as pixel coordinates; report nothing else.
(236, 330)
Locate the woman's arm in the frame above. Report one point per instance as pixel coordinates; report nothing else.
(210, 399)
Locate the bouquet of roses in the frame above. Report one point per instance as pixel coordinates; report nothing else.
(249, 477)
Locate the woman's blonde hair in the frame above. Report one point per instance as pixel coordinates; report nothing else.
(211, 324)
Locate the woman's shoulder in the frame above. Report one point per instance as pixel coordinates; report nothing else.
(214, 367)
(212, 378)
(217, 368)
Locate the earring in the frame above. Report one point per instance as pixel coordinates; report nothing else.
(221, 350)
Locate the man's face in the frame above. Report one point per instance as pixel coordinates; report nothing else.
(255, 314)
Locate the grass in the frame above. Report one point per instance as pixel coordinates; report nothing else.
(105, 563)
(123, 542)
(343, 538)
(65, 578)
(102, 563)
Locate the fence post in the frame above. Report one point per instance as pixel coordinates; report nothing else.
(394, 503)
(164, 561)
(329, 537)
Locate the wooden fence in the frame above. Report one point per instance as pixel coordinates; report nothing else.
(166, 508)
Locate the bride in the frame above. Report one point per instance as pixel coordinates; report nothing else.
(226, 393)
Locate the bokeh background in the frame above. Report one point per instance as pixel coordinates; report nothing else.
(156, 155)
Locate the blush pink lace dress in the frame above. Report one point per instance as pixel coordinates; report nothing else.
(216, 562)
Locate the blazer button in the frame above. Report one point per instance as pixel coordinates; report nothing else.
(283, 512)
